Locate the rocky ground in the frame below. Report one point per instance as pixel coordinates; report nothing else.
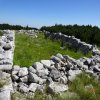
(53, 74)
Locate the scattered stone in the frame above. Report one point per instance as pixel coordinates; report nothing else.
(14, 72)
(55, 74)
(96, 68)
(42, 73)
(7, 46)
(55, 59)
(5, 67)
(15, 77)
(31, 69)
(24, 79)
(23, 88)
(72, 74)
(38, 66)
(46, 63)
(16, 68)
(57, 88)
(33, 78)
(22, 72)
(60, 56)
(5, 95)
(33, 87)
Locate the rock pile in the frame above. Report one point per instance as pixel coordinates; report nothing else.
(54, 74)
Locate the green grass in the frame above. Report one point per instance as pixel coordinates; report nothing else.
(2, 83)
(20, 96)
(1, 33)
(78, 86)
(29, 50)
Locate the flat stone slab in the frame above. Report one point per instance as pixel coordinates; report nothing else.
(5, 95)
(5, 67)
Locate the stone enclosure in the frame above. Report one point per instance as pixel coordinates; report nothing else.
(55, 72)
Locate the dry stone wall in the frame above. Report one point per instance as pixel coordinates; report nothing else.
(6, 63)
(6, 50)
(77, 44)
(56, 72)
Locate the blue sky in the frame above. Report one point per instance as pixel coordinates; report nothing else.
(38, 13)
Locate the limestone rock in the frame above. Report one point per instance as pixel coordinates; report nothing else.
(42, 73)
(7, 46)
(38, 65)
(96, 68)
(23, 88)
(46, 63)
(5, 67)
(5, 95)
(16, 68)
(31, 69)
(55, 74)
(24, 79)
(33, 87)
(33, 78)
(22, 72)
(57, 88)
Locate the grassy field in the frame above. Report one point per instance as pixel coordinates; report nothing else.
(29, 50)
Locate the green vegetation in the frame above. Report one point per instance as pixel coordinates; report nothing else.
(20, 96)
(2, 83)
(92, 92)
(14, 27)
(29, 49)
(89, 34)
(1, 33)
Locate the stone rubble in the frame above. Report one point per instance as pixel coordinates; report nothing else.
(56, 72)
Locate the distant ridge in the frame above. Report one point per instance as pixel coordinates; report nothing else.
(6, 26)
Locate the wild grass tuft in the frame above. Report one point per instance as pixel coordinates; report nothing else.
(2, 83)
(79, 84)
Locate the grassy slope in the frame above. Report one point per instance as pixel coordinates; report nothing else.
(29, 50)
